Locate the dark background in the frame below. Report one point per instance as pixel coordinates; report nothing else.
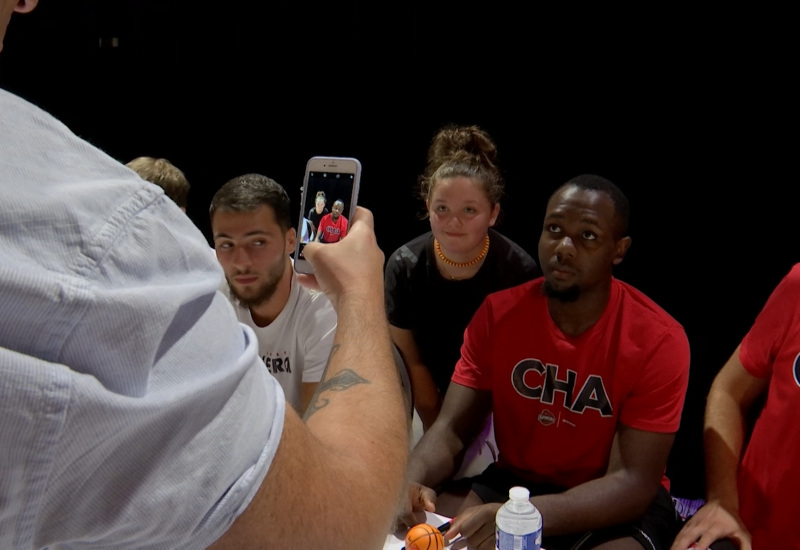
(692, 114)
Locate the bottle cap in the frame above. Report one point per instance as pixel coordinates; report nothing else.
(519, 493)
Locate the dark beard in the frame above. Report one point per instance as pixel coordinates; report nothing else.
(264, 294)
(570, 294)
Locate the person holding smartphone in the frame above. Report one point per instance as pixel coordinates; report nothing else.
(135, 411)
(435, 282)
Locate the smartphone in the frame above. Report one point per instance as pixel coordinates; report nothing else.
(330, 194)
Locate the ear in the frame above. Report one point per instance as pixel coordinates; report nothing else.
(291, 238)
(620, 248)
(25, 6)
(495, 214)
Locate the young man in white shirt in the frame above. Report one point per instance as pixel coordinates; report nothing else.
(253, 239)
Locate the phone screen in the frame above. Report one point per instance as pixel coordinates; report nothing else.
(327, 205)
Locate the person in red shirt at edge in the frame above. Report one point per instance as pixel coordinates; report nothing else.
(586, 377)
(333, 226)
(752, 503)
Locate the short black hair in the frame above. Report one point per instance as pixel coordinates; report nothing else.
(250, 192)
(622, 206)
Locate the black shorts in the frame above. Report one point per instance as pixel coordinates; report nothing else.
(655, 531)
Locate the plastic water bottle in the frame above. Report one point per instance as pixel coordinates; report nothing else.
(518, 523)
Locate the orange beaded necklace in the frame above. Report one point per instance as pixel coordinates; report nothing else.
(470, 263)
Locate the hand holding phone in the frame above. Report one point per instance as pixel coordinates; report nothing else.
(330, 195)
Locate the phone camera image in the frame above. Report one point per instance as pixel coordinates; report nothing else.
(328, 206)
(330, 193)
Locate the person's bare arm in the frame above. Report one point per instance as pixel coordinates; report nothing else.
(620, 496)
(438, 455)
(307, 390)
(731, 396)
(337, 477)
(427, 400)
(637, 462)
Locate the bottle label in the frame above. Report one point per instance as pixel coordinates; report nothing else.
(507, 541)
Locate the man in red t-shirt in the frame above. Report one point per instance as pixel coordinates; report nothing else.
(586, 378)
(754, 502)
(333, 226)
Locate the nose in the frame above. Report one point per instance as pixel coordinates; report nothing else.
(240, 258)
(565, 248)
(453, 220)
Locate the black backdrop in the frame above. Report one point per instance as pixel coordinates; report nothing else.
(688, 113)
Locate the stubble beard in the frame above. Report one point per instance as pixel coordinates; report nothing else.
(566, 295)
(264, 292)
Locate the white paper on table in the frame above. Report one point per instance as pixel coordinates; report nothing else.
(393, 543)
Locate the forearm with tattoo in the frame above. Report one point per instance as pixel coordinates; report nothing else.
(342, 380)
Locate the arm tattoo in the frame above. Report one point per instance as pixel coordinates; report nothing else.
(341, 381)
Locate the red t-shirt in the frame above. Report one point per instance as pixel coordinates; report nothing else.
(557, 399)
(333, 231)
(769, 478)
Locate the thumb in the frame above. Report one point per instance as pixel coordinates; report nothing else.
(427, 504)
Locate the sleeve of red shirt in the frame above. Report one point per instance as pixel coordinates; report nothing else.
(772, 325)
(656, 402)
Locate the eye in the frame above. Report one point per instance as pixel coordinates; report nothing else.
(589, 235)
(441, 208)
(258, 242)
(553, 228)
(223, 246)
(470, 210)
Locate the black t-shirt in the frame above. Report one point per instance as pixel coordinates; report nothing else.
(437, 310)
(315, 218)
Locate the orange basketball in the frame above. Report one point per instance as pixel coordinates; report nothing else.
(424, 536)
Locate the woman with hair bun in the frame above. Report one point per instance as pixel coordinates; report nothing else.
(435, 282)
(316, 212)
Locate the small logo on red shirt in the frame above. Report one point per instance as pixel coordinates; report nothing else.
(546, 418)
